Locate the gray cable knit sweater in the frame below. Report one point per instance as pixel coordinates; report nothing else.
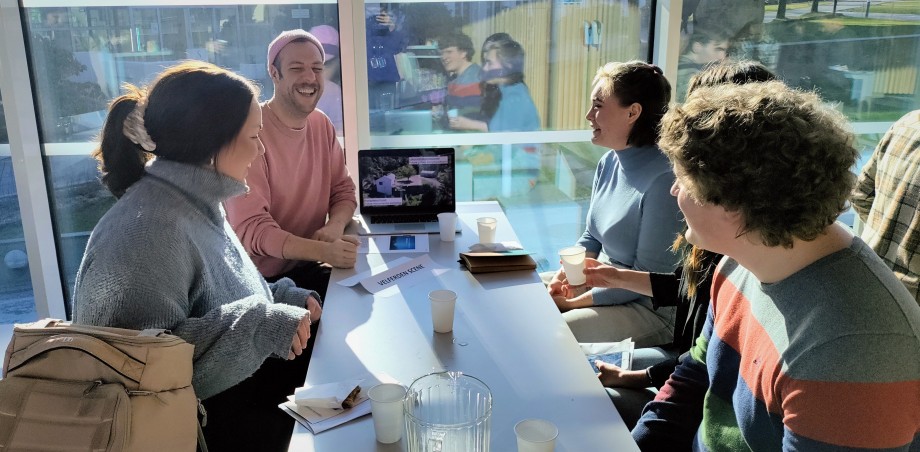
(165, 257)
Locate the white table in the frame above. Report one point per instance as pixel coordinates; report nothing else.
(507, 332)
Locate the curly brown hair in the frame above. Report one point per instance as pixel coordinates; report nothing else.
(777, 155)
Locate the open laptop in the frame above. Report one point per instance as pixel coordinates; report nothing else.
(402, 191)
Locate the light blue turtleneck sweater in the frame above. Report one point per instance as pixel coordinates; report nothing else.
(165, 257)
(632, 218)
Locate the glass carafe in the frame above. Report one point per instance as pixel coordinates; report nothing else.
(448, 412)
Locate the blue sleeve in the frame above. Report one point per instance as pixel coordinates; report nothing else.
(660, 223)
(671, 421)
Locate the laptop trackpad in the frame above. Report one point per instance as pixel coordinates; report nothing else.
(410, 227)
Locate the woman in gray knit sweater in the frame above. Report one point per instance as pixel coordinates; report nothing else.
(164, 255)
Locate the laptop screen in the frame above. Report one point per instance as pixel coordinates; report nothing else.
(406, 181)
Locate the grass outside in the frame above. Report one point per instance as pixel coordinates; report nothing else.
(895, 7)
(791, 5)
(859, 21)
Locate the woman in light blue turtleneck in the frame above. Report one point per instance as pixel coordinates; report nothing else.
(632, 218)
(165, 257)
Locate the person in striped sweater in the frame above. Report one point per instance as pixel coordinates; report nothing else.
(810, 342)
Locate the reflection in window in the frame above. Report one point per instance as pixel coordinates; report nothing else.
(83, 55)
(17, 302)
(862, 56)
(425, 60)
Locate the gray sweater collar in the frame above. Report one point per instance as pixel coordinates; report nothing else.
(200, 183)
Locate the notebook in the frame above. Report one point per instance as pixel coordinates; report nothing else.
(403, 190)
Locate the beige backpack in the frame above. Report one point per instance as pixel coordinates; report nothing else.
(77, 387)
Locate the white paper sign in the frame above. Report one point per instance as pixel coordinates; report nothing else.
(404, 275)
(355, 279)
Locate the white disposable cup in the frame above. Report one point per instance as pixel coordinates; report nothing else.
(453, 113)
(535, 435)
(487, 227)
(447, 222)
(387, 411)
(573, 262)
(442, 310)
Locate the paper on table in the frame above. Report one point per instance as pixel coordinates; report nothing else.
(382, 244)
(355, 279)
(616, 353)
(327, 396)
(321, 419)
(404, 275)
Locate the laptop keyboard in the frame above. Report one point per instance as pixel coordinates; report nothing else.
(391, 219)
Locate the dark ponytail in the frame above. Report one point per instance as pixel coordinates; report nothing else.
(188, 114)
(121, 162)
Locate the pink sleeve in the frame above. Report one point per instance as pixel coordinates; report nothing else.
(249, 216)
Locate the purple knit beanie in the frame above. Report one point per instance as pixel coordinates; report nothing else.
(285, 38)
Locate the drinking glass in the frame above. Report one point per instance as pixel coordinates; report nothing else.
(448, 412)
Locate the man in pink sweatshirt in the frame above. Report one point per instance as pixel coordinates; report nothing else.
(301, 195)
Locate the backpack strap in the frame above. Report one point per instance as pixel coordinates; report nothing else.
(112, 357)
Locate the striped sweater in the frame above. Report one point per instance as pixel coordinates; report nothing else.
(826, 359)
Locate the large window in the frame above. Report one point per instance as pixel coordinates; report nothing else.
(862, 56)
(81, 56)
(17, 302)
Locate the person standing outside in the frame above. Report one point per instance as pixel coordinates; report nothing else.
(301, 197)
(463, 90)
(887, 197)
(810, 342)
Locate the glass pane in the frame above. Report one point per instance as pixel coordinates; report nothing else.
(493, 66)
(17, 301)
(87, 53)
(83, 56)
(862, 56)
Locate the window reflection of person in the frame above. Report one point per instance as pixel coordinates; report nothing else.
(330, 102)
(384, 41)
(463, 91)
(705, 47)
(506, 102)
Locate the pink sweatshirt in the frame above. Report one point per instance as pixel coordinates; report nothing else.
(292, 188)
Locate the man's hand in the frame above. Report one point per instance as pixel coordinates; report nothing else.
(464, 123)
(341, 253)
(299, 342)
(330, 232)
(316, 311)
